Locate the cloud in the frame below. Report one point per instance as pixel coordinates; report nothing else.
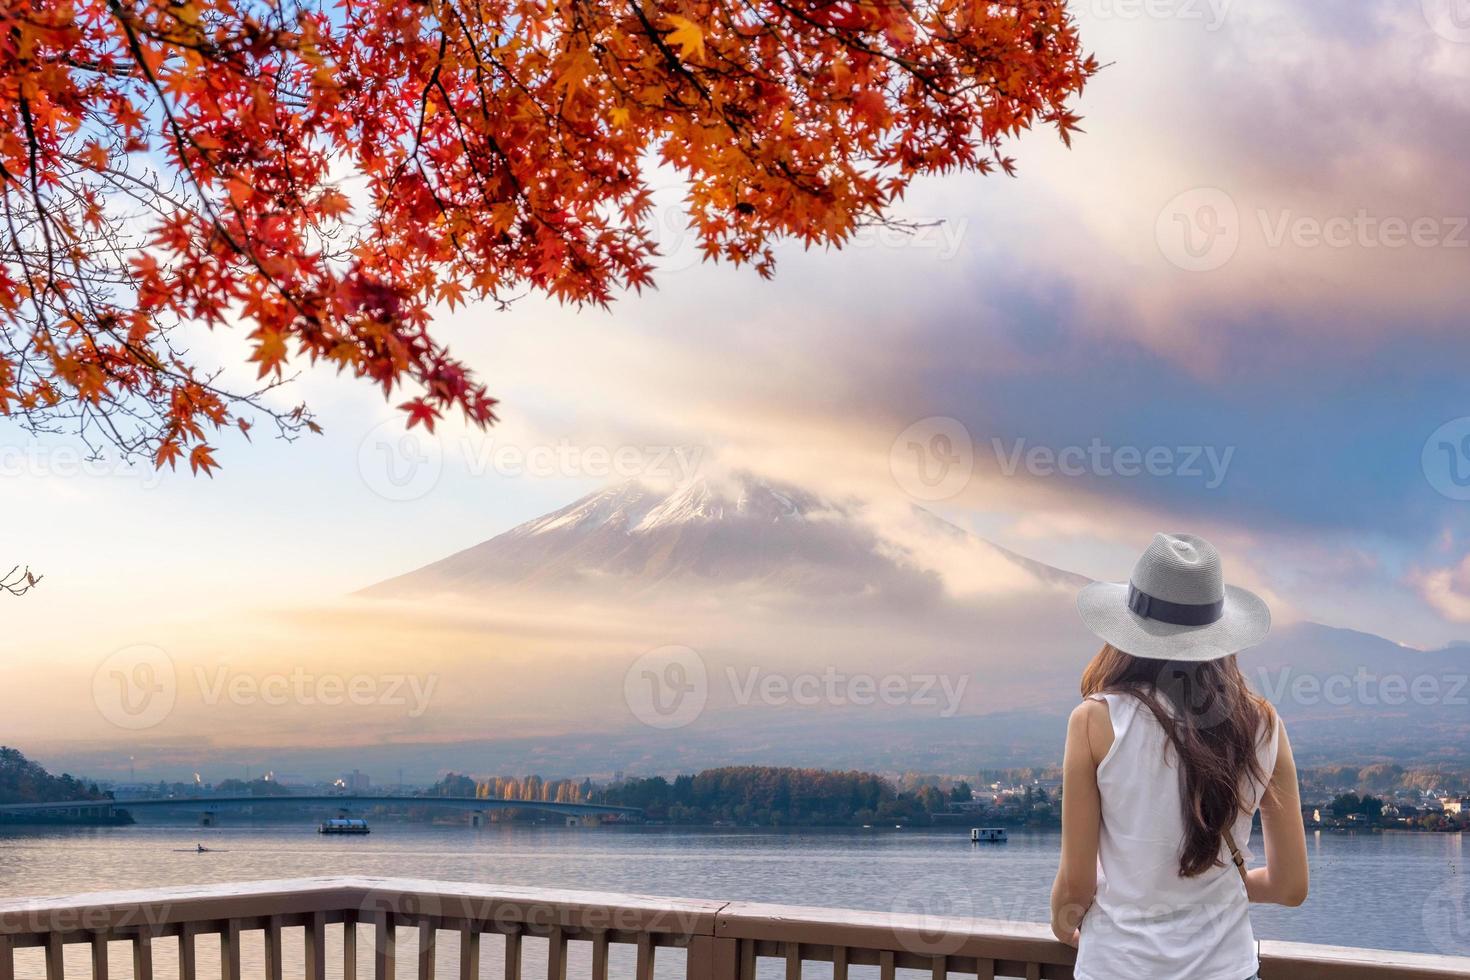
(1447, 590)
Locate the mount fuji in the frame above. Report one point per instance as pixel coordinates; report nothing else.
(741, 533)
(767, 579)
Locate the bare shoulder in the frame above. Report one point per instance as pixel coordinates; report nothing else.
(1090, 725)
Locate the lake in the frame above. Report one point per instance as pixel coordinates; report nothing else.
(1391, 891)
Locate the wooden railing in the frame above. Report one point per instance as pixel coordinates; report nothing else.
(715, 940)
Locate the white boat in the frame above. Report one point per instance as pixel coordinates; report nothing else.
(344, 825)
(988, 835)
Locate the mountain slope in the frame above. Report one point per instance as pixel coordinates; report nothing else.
(740, 533)
(770, 583)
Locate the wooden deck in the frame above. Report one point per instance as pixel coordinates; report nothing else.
(722, 940)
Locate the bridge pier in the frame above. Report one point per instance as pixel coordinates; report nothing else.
(206, 819)
(477, 818)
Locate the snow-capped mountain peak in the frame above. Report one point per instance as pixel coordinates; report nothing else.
(734, 531)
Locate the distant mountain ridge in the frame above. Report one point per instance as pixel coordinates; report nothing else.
(855, 595)
(742, 531)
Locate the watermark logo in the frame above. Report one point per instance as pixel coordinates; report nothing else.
(1446, 459)
(1210, 13)
(400, 464)
(135, 687)
(1362, 229)
(413, 692)
(1450, 19)
(932, 921)
(1363, 688)
(36, 459)
(679, 465)
(1208, 464)
(933, 459)
(667, 687)
(398, 907)
(836, 689)
(1446, 916)
(1199, 230)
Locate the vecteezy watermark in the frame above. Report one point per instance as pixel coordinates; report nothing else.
(833, 687)
(67, 462)
(400, 464)
(1363, 688)
(677, 464)
(1210, 13)
(1450, 19)
(943, 238)
(1446, 459)
(1208, 464)
(1201, 229)
(933, 459)
(667, 687)
(930, 920)
(1446, 915)
(135, 687)
(1363, 229)
(301, 687)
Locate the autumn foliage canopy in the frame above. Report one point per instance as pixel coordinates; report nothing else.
(320, 176)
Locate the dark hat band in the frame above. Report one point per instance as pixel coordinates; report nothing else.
(1173, 613)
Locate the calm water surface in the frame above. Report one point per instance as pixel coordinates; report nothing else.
(1391, 891)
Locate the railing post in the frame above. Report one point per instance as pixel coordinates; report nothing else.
(55, 957)
(599, 955)
(428, 935)
(187, 963)
(385, 948)
(99, 956)
(714, 958)
(513, 955)
(315, 946)
(556, 954)
(469, 954)
(274, 968)
(229, 951)
(643, 970)
(7, 959)
(349, 947)
(143, 956)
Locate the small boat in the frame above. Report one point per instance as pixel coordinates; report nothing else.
(988, 835)
(197, 849)
(344, 825)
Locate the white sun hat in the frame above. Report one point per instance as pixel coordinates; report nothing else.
(1176, 606)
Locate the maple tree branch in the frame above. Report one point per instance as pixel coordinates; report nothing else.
(17, 582)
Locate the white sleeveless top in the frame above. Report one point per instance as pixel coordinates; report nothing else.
(1147, 922)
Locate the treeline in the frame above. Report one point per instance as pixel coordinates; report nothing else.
(771, 796)
(513, 788)
(1385, 777)
(23, 781)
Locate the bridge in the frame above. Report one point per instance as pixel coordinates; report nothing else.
(109, 811)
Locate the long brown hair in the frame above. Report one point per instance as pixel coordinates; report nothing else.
(1215, 724)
